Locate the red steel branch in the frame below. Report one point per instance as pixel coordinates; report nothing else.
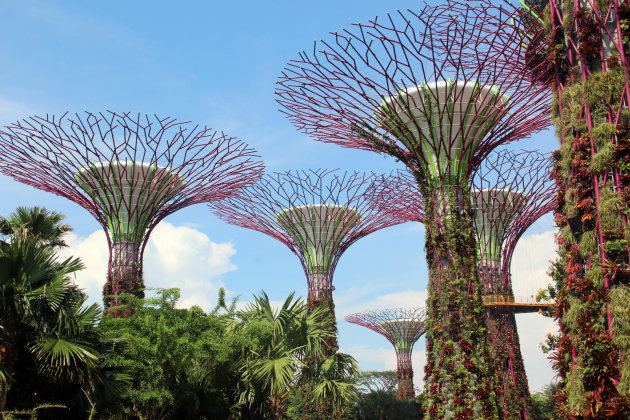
(129, 171)
(402, 327)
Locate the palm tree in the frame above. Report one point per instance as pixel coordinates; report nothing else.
(38, 223)
(332, 384)
(270, 366)
(42, 313)
(285, 343)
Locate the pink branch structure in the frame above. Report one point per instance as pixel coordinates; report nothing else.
(511, 191)
(318, 214)
(406, 85)
(130, 172)
(402, 327)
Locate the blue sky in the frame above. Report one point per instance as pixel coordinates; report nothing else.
(216, 64)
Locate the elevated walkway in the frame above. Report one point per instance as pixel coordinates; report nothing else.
(518, 304)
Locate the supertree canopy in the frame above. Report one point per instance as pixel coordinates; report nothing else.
(511, 191)
(406, 86)
(580, 49)
(129, 171)
(318, 214)
(402, 327)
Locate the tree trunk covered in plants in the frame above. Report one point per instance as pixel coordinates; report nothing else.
(405, 377)
(586, 53)
(515, 401)
(458, 374)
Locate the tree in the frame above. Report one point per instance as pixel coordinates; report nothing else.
(373, 381)
(286, 358)
(45, 324)
(383, 405)
(44, 226)
(182, 361)
(544, 402)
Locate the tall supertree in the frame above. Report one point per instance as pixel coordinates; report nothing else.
(129, 171)
(510, 192)
(579, 48)
(318, 214)
(405, 86)
(402, 327)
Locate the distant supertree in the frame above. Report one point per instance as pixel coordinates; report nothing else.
(129, 171)
(406, 85)
(511, 191)
(402, 327)
(318, 214)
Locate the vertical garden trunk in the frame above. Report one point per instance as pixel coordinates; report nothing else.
(458, 374)
(405, 377)
(320, 293)
(515, 401)
(589, 70)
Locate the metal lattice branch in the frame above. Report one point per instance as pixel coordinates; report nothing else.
(510, 192)
(404, 85)
(129, 171)
(318, 214)
(402, 327)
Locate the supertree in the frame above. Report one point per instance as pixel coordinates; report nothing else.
(402, 327)
(318, 214)
(405, 86)
(129, 171)
(579, 48)
(510, 192)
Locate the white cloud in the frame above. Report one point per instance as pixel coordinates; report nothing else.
(531, 261)
(174, 257)
(532, 330)
(529, 274)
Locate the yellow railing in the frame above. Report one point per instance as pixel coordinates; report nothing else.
(490, 300)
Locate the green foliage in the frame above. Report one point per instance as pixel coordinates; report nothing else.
(50, 346)
(373, 381)
(544, 402)
(286, 355)
(604, 159)
(47, 410)
(603, 133)
(610, 207)
(182, 361)
(588, 244)
(619, 298)
(383, 405)
(41, 225)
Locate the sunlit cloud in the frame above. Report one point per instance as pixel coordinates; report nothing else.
(176, 256)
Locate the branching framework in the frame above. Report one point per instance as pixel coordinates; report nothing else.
(402, 327)
(129, 171)
(407, 86)
(318, 214)
(511, 191)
